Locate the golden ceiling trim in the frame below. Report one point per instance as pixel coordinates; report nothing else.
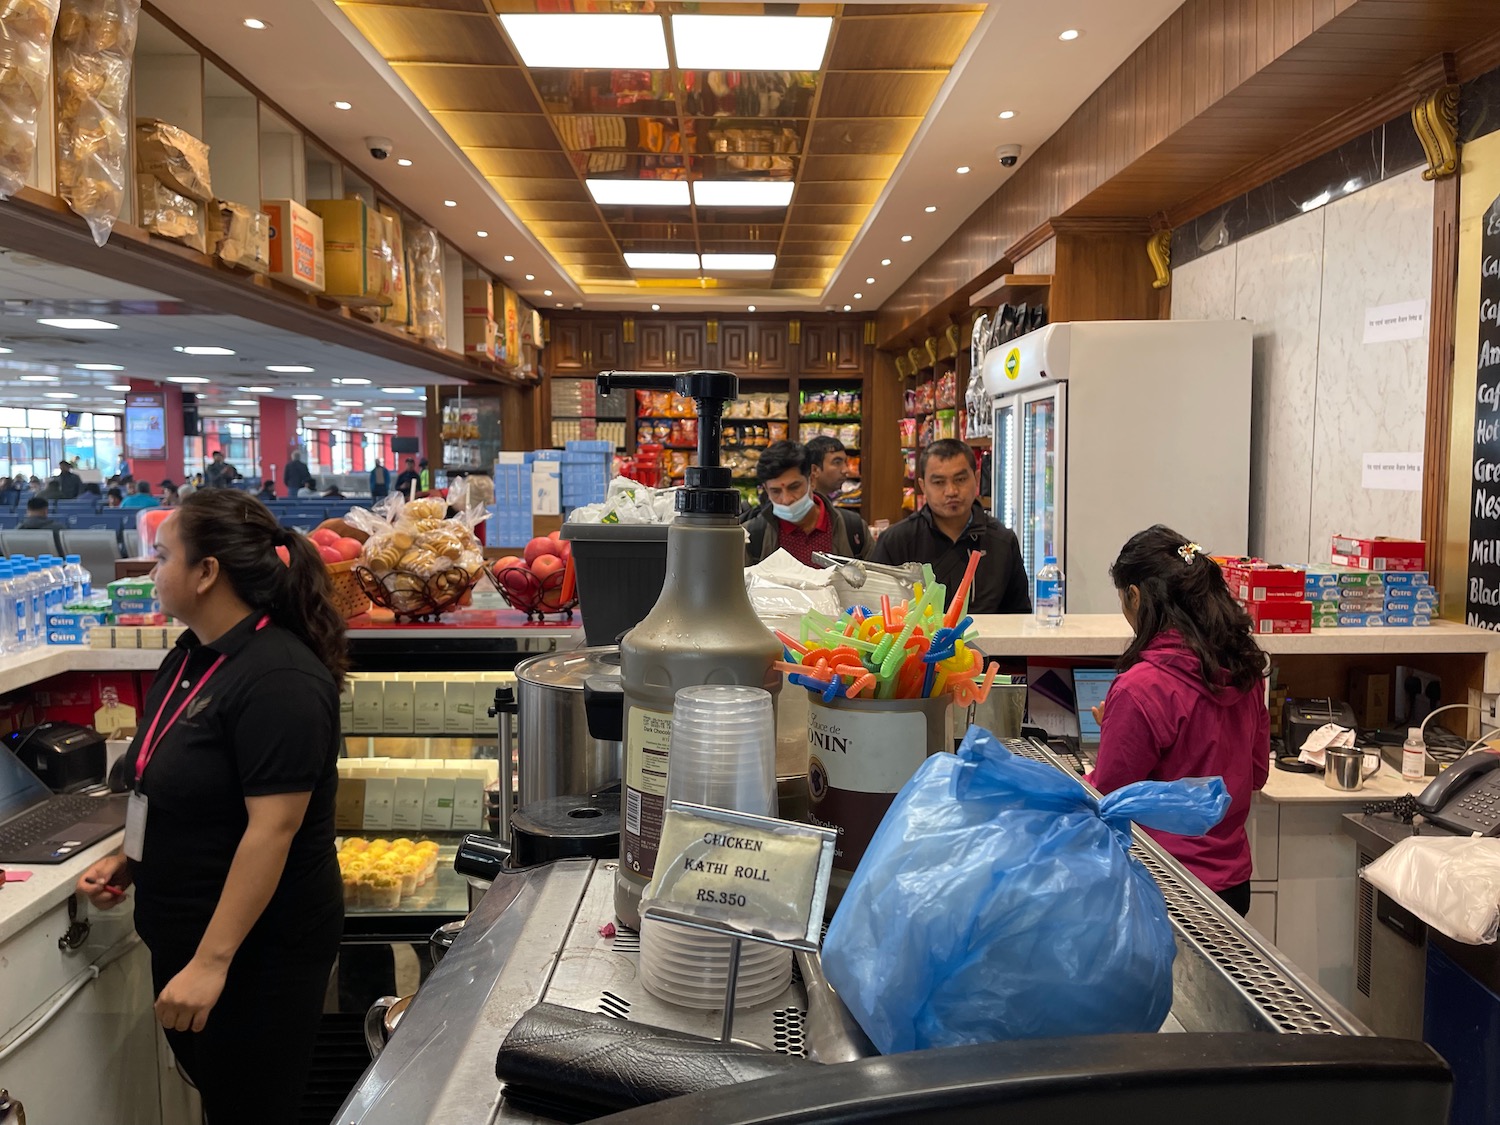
(1159, 250)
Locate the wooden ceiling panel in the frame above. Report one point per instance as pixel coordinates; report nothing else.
(472, 88)
(475, 132)
(863, 192)
(425, 35)
(817, 232)
(857, 10)
(551, 232)
(587, 247)
(883, 94)
(816, 168)
(845, 213)
(741, 232)
(478, 6)
(526, 163)
(863, 137)
(557, 191)
(924, 41)
(543, 211)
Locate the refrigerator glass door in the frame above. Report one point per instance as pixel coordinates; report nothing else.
(1041, 492)
(1003, 489)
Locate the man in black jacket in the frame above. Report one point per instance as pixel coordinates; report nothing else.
(296, 476)
(950, 526)
(68, 482)
(796, 517)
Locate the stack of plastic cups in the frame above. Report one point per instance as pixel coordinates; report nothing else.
(723, 754)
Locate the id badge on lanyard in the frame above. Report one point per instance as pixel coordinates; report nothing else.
(135, 827)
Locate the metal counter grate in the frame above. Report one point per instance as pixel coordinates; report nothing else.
(1279, 998)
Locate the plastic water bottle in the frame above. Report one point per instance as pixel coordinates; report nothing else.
(36, 612)
(55, 574)
(1049, 594)
(12, 640)
(1413, 756)
(80, 584)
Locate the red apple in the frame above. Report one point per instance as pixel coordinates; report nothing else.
(545, 566)
(555, 536)
(538, 547)
(330, 555)
(504, 561)
(518, 582)
(347, 548)
(324, 536)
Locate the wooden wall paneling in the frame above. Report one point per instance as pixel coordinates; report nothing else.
(883, 471)
(1440, 344)
(1103, 273)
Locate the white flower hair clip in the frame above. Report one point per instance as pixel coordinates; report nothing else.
(1188, 552)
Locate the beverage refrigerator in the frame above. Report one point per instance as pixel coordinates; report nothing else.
(1104, 428)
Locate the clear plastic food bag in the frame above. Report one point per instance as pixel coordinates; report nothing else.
(1450, 882)
(25, 54)
(998, 900)
(93, 52)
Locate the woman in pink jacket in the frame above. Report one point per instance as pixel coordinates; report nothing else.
(1190, 699)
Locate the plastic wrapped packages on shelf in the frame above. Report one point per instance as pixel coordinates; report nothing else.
(173, 157)
(25, 58)
(398, 273)
(169, 214)
(239, 236)
(758, 406)
(94, 46)
(425, 253)
(826, 404)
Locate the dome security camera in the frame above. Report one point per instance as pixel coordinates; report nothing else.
(380, 147)
(1008, 155)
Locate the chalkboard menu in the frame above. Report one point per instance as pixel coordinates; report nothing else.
(1483, 599)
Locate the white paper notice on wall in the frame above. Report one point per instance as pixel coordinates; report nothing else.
(1404, 321)
(1393, 472)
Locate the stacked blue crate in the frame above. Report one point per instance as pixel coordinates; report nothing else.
(510, 515)
(585, 472)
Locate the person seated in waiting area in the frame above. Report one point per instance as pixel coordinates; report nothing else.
(267, 491)
(332, 493)
(829, 462)
(36, 518)
(951, 525)
(114, 497)
(67, 481)
(794, 517)
(169, 495)
(141, 497)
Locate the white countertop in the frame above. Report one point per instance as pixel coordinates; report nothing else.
(1284, 787)
(39, 664)
(1108, 634)
(23, 903)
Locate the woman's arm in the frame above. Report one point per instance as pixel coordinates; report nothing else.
(187, 999)
(1128, 751)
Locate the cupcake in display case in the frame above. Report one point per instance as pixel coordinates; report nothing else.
(382, 890)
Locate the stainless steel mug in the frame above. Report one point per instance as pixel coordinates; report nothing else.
(1346, 770)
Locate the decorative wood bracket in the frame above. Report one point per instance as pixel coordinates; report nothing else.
(1435, 118)
(931, 345)
(869, 333)
(711, 332)
(794, 332)
(951, 337)
(1159, 250)
(917, 358)
(627, 330)
(903, 367)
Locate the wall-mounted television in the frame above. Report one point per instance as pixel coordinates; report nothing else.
(145, 427)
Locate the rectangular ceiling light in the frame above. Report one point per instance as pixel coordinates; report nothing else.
(750, 42)
(77, 324)
(661, 261)
(639, 193)
(588, 41)
(742, 193)
(754, 262)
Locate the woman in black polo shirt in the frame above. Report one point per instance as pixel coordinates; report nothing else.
(229, 840)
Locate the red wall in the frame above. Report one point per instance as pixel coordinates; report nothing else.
(172, 467)
(278, 437)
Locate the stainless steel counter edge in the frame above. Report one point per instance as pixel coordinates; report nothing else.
(499, 967)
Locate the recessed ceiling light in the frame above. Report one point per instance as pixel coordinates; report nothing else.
(885, 261)
(194, 349)
(750, 42)
(98, 367)
(413, 413)
(77, 324)
(351, 382)
(906, 238)
(869, 281)
(58, 394)
(255, 24)
(38, 378)
(510, 257)
(257, 390)
(1071, 34)
(590, 41)
(656, 308)
(848, 307)
(347, 402)
(641, 261)
(760, 262)
(186, 379)
(929, 208)
(117, 401)
(450, 203)
(859, 296)
(1007, 114)
(639, 193)
(289, 368)
(751, 308)
(403, 162)
(118, 387)
(244, 402)
(385, 410)
(6, 351)
(308, 398)
(963, 169)
(400, 390)
(747, 193)
(341, 104)
(559, 304)
(531, 277)
(482, 233)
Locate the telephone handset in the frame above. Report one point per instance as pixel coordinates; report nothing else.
(1466, 796)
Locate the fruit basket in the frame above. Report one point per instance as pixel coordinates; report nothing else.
(348, 596)
(414, 597)
(538, 595)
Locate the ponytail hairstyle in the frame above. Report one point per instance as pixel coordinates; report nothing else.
(1183, 589)
(241, 533)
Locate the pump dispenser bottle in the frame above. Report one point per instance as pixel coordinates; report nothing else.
(702, 629)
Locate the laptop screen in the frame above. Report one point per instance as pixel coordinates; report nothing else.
(20, 789)
(1090, 686)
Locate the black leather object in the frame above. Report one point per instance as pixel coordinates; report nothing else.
(575, 1066)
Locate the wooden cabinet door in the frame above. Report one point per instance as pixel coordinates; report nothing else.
(817, 347)
(652, 349)
(848, 346)
(689, 346)
(565, 350)
(605, 353)
(771, 349)
(736, 345)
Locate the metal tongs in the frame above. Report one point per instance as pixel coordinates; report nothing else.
(857, 582)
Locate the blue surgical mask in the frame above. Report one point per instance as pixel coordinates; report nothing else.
(795, 512)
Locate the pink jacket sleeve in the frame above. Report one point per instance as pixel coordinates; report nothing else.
(1261, 767)
(1128, 751)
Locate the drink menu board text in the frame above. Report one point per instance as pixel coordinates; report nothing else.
(1482, 600)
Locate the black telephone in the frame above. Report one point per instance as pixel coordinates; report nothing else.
(1466, 796)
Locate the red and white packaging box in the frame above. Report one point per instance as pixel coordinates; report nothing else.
(1379, 553)
(1265, 582)
(1280, 617)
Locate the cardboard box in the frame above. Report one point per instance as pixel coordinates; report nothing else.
(406, 813)
(427, 707)
(479, 298)
(354, 251)
(349, 805)
(1280, 617)
(458, 707)
(1261, 582)
(397, 703)
(296, 244)
(510, 327)
(468, 804)
(1361, 620)
(369, 707)
(1370, 696)
(398, 312)
(346, 708)
(380, 799)
(1416, 578)
(546, 488)
(479, 337)
(1380, 553)
(437, 805)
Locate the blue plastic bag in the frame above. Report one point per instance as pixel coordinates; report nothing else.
(998, 901)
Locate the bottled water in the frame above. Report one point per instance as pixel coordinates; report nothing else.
(54, 587)
(1049, 594)
(80, 584)
(12, 634)
(36, 614)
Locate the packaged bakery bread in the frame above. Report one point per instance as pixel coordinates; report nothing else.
(425, 255)
(25, 56)
(93, 49)
(169, 214)
(174, 156)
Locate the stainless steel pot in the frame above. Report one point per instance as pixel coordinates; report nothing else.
(556, 754)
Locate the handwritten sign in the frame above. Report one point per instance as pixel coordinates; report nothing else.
(1395, 472)
(1404, 321)
(747, 874)
(1482, 603)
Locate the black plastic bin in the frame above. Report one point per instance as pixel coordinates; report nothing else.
(621, 568)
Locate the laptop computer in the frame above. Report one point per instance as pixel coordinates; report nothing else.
(1090, 686)
(38, 827)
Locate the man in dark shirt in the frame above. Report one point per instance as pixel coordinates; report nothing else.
(36, 518)
(951, 525)
(408, 475)
(68, 482)
(220, 474)
(797, 519)
(295, 476)
(829, 462)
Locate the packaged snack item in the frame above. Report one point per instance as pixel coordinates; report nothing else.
(25, 56)
(173, 156)
(427, 312)
(239, 235)
(397, 279)
(777, 431)
(169, 214)
(93, 51)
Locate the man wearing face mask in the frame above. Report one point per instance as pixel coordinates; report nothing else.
(795, 518)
